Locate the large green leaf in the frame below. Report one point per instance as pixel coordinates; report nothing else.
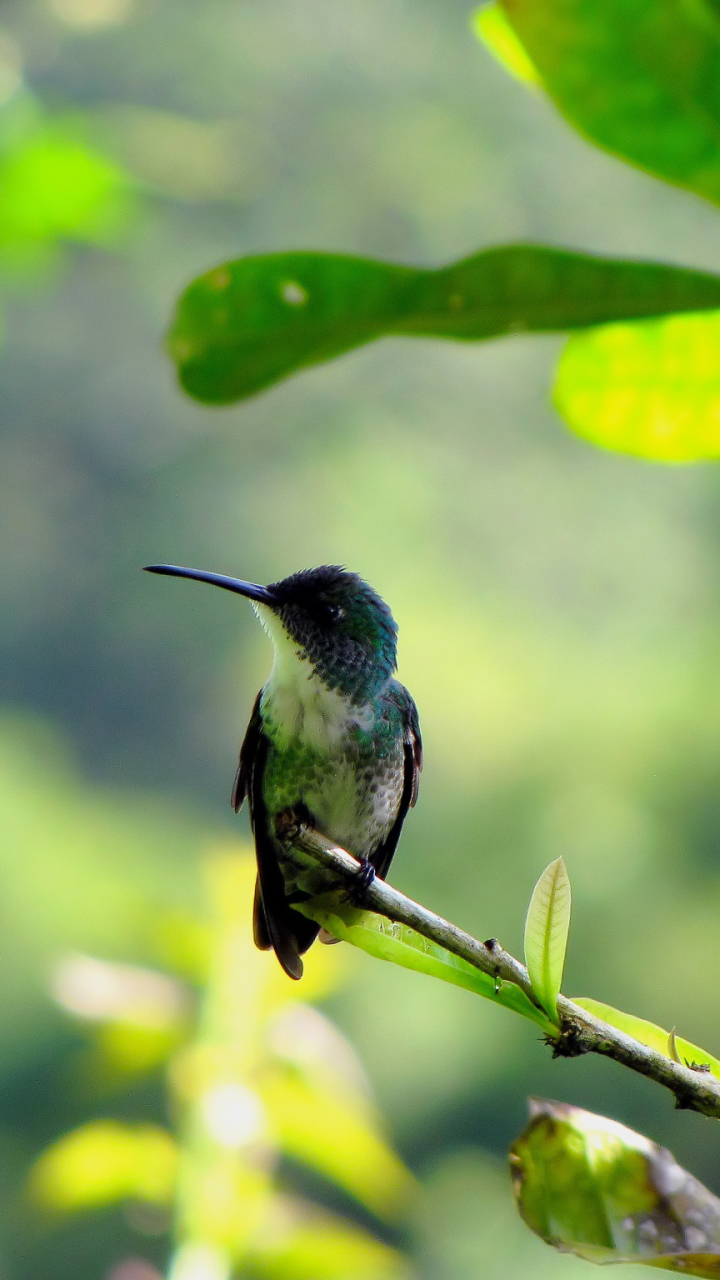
(590, 1186)
(249, 323)
(650, 389)
(547, 926)
(639, 77)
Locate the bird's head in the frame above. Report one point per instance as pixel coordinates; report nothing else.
(330, 617)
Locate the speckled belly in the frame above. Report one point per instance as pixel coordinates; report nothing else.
(354, 796)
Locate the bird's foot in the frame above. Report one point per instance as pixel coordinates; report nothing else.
(287, 826)
(362, 880)
(289, 823)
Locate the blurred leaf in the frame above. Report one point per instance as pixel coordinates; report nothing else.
(547, 926)
(642, 79)
(647, 1033)
(649, 389)
(492, 28)
(589, 1186)
(302, 1038)
(106, 992)
(339, 1138)
(249, 323)
(303, 1244)
(52, 186)
(398, 944)
(104, 1162)
(126, 1050)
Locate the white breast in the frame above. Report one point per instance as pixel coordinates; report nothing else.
(298, 704)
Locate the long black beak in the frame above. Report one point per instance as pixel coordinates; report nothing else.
(249, 589)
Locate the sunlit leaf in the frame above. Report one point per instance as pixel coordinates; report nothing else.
(125, 1050)
(547, 926)
(491, 26)
(53, 186)
(403, 946)
(249, 323)
(302, 1243)
(589, 1186)
(338, 1138)
(651, 1035)
(641, 79)
(104, 1162)
(650, 389)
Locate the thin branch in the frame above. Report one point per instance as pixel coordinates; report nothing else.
(580, 1031)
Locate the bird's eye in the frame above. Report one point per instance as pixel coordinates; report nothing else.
(334, 612)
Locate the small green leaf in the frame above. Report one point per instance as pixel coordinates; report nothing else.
(691, 1055)
(651, 389)
(403, 946)
(590, 1186)
(249, 323)
(546, 934)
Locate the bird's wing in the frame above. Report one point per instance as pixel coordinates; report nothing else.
(412, 749)
(275, 924)
(248, 752)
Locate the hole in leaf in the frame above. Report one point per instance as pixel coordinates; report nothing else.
(293, 293)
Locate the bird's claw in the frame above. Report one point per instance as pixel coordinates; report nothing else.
(363, 878)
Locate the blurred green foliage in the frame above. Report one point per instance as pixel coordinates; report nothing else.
(254, 1074)
(55, 187)
(643, 83)
(559, 607)
(643, 88)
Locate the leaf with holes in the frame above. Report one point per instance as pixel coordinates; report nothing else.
(590, 1186)
(247, 324)
(546, 934)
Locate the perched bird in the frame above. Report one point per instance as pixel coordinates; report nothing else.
(333, 738)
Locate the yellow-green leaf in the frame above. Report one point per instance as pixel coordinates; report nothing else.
(493, 29)
(340, 1139)
(403, 946)
(651, 1035)
(303, 1243)
(651, 388)
(546, 933)
(104, 1162)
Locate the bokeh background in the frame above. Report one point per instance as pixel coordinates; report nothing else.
(559, 608)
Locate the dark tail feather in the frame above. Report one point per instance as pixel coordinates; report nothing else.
(285, 931)
(261, 935)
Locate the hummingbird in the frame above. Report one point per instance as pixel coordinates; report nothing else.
(333, 739)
